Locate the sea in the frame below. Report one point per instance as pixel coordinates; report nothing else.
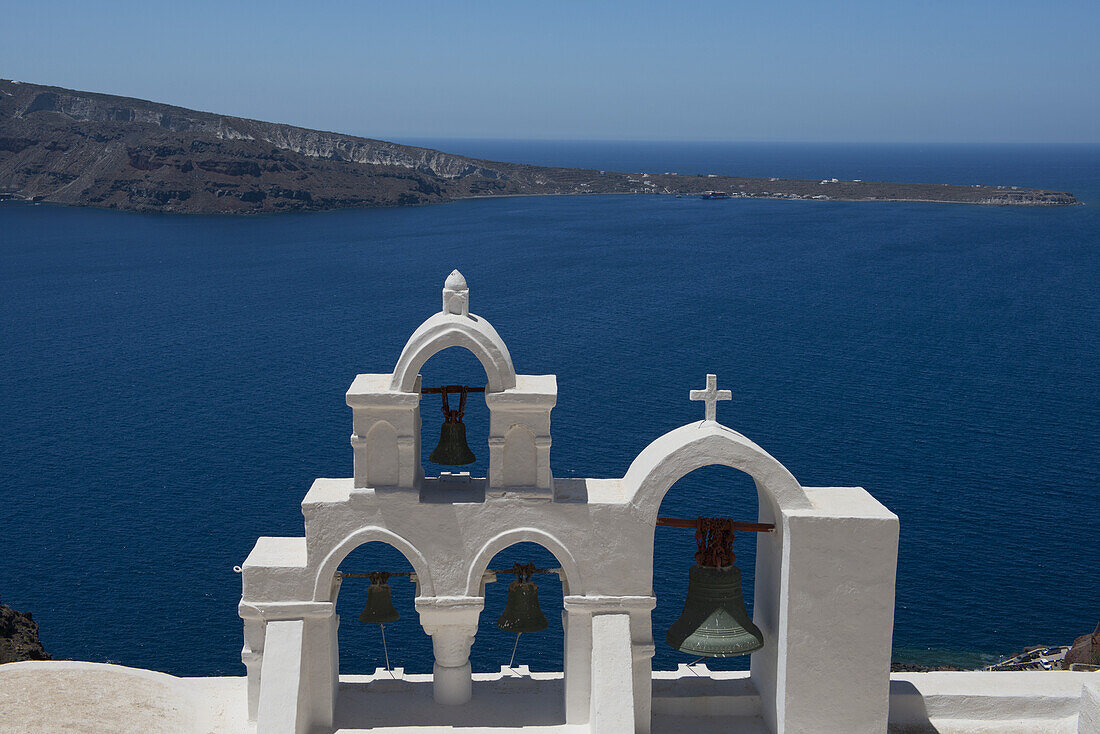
(170, 386)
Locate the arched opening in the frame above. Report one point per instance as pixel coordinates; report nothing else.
(540, 651)
(360, 644)
(709, 491)
(529, 701)
(454, 366)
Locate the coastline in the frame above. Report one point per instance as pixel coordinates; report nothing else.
(87, 149)
(20, 201)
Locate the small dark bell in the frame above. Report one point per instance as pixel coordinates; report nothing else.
(521, 611)
(714, 622)
(452, 449)
(379, 608)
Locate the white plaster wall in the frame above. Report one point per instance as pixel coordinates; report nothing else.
(837, 606)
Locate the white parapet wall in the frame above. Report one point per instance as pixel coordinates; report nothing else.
(54, 696)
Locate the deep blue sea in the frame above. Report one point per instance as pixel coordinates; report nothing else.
(171, 385)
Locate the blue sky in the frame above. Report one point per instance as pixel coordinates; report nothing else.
(962, 71)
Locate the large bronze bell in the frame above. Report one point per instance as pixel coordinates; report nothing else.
(452, 449)
(521, 611)
(714, 622)
(379, 608)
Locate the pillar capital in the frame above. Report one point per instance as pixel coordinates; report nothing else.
(609, 604)
(452, 623)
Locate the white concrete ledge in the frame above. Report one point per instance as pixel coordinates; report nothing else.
(997, 698)
(48, 696)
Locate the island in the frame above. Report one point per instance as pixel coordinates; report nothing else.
(87, 149)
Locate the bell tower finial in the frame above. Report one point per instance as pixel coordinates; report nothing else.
(456, 295)
(710, 397)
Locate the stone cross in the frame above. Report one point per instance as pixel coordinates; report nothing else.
(710, 396)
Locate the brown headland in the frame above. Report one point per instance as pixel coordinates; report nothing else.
(88, 149)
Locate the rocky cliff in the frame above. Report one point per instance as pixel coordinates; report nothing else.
(19, 637)
(87, 149)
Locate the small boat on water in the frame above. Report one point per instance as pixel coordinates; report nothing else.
(715, 195)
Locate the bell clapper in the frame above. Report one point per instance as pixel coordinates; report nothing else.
(385, 649)
(514, 646)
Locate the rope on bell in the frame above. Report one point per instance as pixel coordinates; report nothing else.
(453, 450)
(714, 539)
(454, 416)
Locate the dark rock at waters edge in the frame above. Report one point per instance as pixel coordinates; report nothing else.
(913, 668)
(88, 149)
(19, 637)
(1085, 650)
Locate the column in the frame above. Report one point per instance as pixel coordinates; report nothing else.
(581, 681)
(452, 623)
(613, 701)
(577, 623)
(252, 655)
(316, 663)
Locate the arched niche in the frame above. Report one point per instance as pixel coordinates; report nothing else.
(444, 330)
(382, 455)
(520, 458)
(572, 584)
(323, 588)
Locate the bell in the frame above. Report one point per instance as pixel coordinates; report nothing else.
(452, 448)
(714, 622)
(379, 608)
(521, 611)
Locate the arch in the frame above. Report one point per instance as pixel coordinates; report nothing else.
(574, 583)
(382, 456)
(445, 330)
(322, 582)
(670, 457)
